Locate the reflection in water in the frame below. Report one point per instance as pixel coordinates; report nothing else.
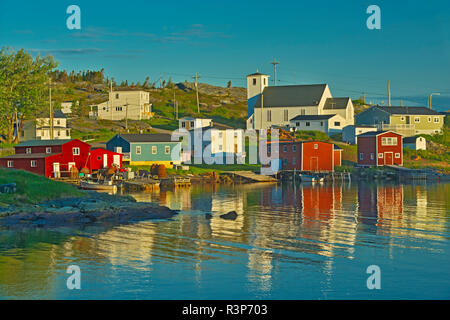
(284, 235)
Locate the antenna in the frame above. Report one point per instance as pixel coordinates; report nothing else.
(275, 70)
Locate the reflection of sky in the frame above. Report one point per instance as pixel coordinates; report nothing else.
(319, 250)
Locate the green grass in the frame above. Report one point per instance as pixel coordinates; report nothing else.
(32, 188)
(312, 135)
(197, 169)
(101, 135)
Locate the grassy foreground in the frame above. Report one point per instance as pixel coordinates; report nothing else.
(32, 188)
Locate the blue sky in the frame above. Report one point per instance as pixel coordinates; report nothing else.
(315, 42)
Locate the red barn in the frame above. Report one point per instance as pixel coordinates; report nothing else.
(101, 158)
(50, 158)
(380, 148)
(306, 155)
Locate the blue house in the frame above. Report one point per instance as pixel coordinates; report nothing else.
(146, 149)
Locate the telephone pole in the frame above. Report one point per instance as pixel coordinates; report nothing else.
(126, 115)
(389, 93)
(160, 80)
(110, 98)
(51, 107)
(196, 90)
(275, 70)
(364, 97)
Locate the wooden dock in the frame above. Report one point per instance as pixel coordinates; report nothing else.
(140, 185)
(249, 177)
(176, 182)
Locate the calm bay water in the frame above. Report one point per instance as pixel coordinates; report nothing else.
(288, 242)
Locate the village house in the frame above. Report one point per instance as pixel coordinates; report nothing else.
(40, 128)
(55, 158)
(66, 107)
(350, 133)
(313, 156)
(380, 148)
(408, 121)
(124, 104)
(329, 123)
(415, 143)
(146, 149)
(222, 141)
(276, 106)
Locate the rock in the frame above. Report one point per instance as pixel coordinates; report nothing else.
(232, 215)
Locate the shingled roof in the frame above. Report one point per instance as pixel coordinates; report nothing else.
(409, 110)
(336, 103)
(313, 117)
(149, 137)
(292, 96)
(38, 143)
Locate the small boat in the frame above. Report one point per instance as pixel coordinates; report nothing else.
(309, 178)
(90, 185)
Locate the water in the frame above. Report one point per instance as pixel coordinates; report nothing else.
(288, 242)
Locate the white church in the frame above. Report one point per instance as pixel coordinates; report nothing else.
(276, 106)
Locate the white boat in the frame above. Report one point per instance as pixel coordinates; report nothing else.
(90, 185)
(309, 178)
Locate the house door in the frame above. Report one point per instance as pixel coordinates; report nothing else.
(105, 160)
(116, 159)
(407, 120)
(70, 165)
(314, 164)
(388, 158)
(56, 170)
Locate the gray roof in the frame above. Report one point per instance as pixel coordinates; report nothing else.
(410, 139)
(148, 137)
(375, 133)
(409, 110)
(336, 103)
(29, 155)
(313, 117)
(57, 114)
(257, 74)
(40, 143)
(291, 96)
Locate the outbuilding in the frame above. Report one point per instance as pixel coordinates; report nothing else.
(100, 158)
(380, 148)
(415, 143)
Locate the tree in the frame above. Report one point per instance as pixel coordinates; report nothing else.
(229, 84)
(23, 89)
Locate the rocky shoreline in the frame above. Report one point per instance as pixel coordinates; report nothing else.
(93, 208)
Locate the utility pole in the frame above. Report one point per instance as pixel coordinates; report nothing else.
(160, 80)
(196, 89)
(295, 77)
(431, 98)
(174, 104)
(275, 70)
(389, 93)
(126, 115)
(364, 97)
(110, 98)
(51, 107)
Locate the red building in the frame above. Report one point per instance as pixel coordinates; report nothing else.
(55, 158)
(306, 155)
(380, 148)
(101, 158)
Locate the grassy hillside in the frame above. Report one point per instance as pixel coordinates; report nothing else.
(32, 188)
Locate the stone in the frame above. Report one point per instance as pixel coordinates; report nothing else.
(232, 215)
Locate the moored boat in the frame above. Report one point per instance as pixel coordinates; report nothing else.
(310, 178)
(90, 185)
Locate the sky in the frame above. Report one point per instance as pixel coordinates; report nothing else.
(314, 41)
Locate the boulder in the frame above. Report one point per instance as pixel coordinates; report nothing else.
(232, 215)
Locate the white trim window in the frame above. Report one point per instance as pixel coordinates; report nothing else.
(417, 119)
(316, 146)
(48, 150)
(138, 150)
(397, 155)
(154, 150)
(10, 164)
(361, 156)
(28, 150)
(167, 149)
(33, 163)
(380, 156)
(436, 119)
(76, 151)
(372, 156)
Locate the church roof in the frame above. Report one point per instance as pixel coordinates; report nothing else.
(291, 96)
(257, 74)
(336, 103)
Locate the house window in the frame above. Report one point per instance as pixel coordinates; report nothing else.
(337, 123)
(394, 141)
(254, 81)
(99, 158)
(167, 149)
(397, 155)
(118, 108)
(372, 156)
(389, 141)
(321, 123)
(294, 148)
(58, 122)
(284, 148)
(183, 124)
(416, 119)
(436, 119)
(308, 123)
(48, 150)
(297, 124)
(302, 112)
(10, 163)
(154, 149)
(117, 96)
(269, 116)
(28, 150)
(269, 149)
(59, 133)
(380, 155)
(264, 81)
(67, 133)
(361, 156)
(285, 161)
(294, 161)
(220, 147)
(402, 118)
(429, 119)
(316, 146)
(139, 150)
(192, 124)
(76, 151)
(33, 164)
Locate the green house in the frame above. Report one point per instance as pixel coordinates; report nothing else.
(146, 149)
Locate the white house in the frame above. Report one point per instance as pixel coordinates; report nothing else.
(350, 133)
(327, 123)
(124, 104)
(66, 107)
(40, 128)
(277, 105)
(415, 143)
(215, 139)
